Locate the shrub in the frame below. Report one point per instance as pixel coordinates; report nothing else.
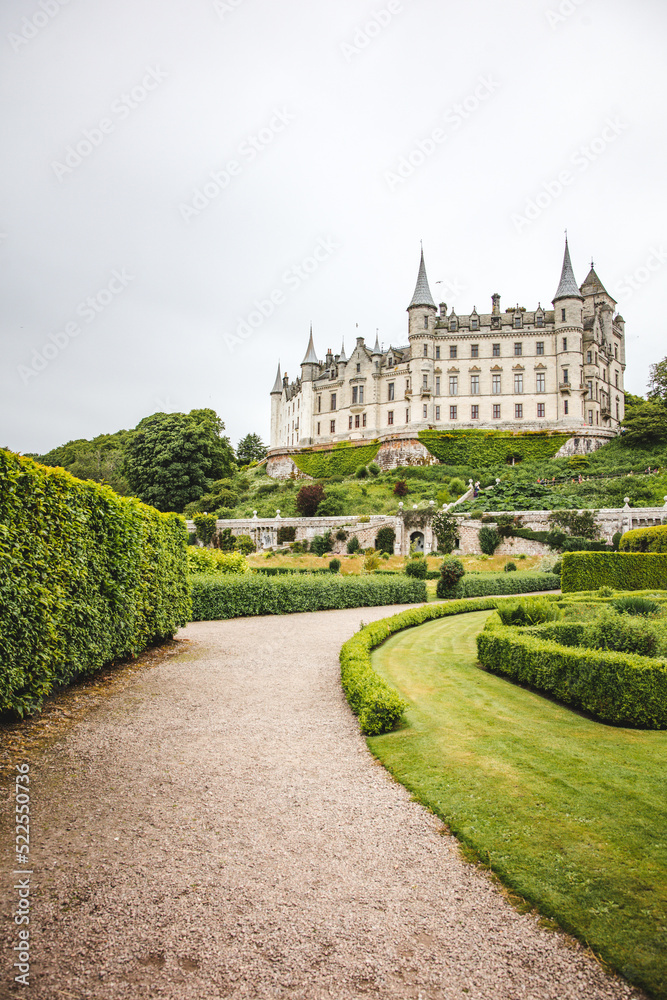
(645, 540)
(615, 540)
(321, 544)
(417, 568)
(371, 560)
(205, 525)
(487, 584)
(446, 530)
(341, 535)
(384, 540)
(374, 469)
(334, 565)
(635, 605)
(232, 596)
(224, 540)
(286, 533)
(528, 611)
(353, 545)
(361, 472)
(457, 487)
(400, 488)
(331, 506)
(309, 498)
(622, 633)
(489, 540)
(192, 537)
(451, 573)
(299, 547)
(510, 567)
(580, 523)
(88, 577)
(620, 570)
(244, 544)
(213, 561)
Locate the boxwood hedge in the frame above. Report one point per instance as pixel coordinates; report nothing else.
(215, 597)
(87, 577)
(645, 539)
(486, 584)
(620, 570)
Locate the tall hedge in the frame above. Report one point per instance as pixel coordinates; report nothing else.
(489, 448)
(645, 539)
(341, 460)
(620, 570)
(86, 577)
(486, 584)
(216, 597)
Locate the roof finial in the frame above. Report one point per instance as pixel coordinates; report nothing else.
(592, 264)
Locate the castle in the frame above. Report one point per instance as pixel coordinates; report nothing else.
(557, 369)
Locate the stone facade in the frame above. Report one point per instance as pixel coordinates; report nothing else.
(558, 369)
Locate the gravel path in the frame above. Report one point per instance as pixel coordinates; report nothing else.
(219, 829)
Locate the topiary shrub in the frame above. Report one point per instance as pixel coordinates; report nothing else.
(384, 540)
(620, 570)
(417, 568)
(615, 540)
(353, 545)
(489, 540)
(205, 525)
(645, 539)
(334, 565)
(451, 572)
(510, 567)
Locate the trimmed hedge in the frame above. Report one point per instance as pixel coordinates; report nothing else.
(215, 597)
(378, 706)
(620, 570)
(88, 577)
(341, 460)
(621, 688)
(490, 448)
(645, 539)
(486, 584)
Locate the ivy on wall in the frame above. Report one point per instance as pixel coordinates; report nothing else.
(341, 460)
(490, 448)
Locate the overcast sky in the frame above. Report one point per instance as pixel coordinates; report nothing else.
(174, 168)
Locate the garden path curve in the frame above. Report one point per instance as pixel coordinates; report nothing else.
(220, 829)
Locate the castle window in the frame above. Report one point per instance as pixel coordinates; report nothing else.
(390, 417)
(390, 391)
(518, 349)
(617, 411)
(318, 427)
(333, 401)
(437, 386)
(361, 394)
(453, 410)
(474, 412)
(590, 388)
(539, 347)
(564, 343)
(566, 376)
(589, 357)
(540, 409)
(474, 323)
(617, 380)
(437, 412)
(566, 407)
(474, 350)
(319, 404)
(540, 382)
(407, 415)
(474, 385)
(518, 382)
(355, 393)
(539, 320)
(562, 315)
(349, 423)
(426, 322)
(496, 351)
(425, 350)
(453, 385)
(358, 367)
(616, 351)
(390, 362)
(518, 411)
(356, 420)
(495, 385)
(453, 324)
(363, 419)
(425, 411)
(590, 417)
(496, 411)
(453, 350)
(517, 321)
(332, 427)
(425, 381)
(437, 354)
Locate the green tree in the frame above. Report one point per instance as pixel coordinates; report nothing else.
(101, 459)
(657, 383)
(645, 423)
(250, 449)
(173, 458)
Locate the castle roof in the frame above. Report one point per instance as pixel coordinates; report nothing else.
(278, 384)
(593, 286)
(342, 358)
(377, 349)
(311, 357)
(568, 287)
(422, 294)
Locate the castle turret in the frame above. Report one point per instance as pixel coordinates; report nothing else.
(569, 332)
(604, 353)
(276, 398)
(422, 309)
(310, 366)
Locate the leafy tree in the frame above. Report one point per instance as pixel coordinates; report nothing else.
(451, 572)
(173, 458)
(384, 540)
(400, 488)
(645, 423)
(309, 498)
(205, 525)
(100, 459)
(250, 449)
(657, 383)
(579, 523)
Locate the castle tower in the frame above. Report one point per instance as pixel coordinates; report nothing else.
(276, 399)
(310, 366)
(569, 333)
(604, 353)
(422, 310)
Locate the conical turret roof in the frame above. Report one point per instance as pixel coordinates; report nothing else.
(376, 348)
(311, 357)
(593, 286)
(278, 384)
(342, 357)
(568, 287)
(422, 294)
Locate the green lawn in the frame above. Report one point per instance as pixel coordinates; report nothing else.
(570, 813)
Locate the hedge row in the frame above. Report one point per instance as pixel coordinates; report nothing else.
(88, 577)
(377, 704)
(341, 460)
(215, 597)
(490, 448)
(621, 688)
(645, 539)
(486, 584)
(620, 570)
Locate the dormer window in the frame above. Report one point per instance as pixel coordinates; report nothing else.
(518, 320)
(453, 324)
(539, 319)
(474, 323)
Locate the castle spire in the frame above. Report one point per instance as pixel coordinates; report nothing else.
(278, 384)
(568, 287)
(377, 349)
(422, 294)
(311, 356)
(342, 359)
